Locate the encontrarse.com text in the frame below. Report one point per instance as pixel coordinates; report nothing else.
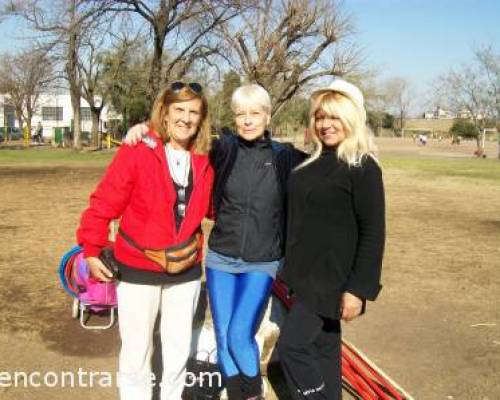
(83, 378)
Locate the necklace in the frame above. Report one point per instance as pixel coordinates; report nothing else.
(178, 164)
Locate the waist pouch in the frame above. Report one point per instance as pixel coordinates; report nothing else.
(173, 259)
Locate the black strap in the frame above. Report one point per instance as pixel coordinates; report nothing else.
(182, 258)
(129, 240)
(179, 246)
(183, 244)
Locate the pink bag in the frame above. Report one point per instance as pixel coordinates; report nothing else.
(98, 295)
(89, 295)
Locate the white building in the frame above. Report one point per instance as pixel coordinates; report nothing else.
(54, 111)
(466, 114)
(439, 113)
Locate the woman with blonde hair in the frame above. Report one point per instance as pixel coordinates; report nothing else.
(161, 189)
(335, 241)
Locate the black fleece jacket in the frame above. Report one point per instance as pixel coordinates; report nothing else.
(336, 232)
(249, 197)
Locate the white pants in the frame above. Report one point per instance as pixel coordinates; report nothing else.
(138, 306)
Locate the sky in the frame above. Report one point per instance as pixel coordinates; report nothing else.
(421, 39)
(414, 39)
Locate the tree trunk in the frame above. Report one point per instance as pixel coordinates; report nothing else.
(29, 117)
(77, 129)
(73, 78)
(155, 72)
(28, 125)
(478, 142)
(96, 115)
(401, 124)
(498, 142)
(20, 123)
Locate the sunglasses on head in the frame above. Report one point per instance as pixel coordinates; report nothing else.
(194, 86)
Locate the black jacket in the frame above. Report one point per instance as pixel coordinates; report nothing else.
(249, 197)
(336, 232)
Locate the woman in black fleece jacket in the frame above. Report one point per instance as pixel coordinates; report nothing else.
(335, 241)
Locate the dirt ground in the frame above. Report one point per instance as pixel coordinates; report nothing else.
(435, 328)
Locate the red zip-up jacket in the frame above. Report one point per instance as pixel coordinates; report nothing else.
(137, 187)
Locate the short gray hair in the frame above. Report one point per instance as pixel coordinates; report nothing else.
(251, 95)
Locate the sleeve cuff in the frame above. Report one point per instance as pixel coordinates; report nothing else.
(365, 293)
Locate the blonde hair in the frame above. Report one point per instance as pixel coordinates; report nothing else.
(251, 95)
(202, 140)
(358, 142)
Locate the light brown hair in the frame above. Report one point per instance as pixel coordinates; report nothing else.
(202, 140)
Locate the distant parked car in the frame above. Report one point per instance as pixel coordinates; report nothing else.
(16, 134)
(13, 133)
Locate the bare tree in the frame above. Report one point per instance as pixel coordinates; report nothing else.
(23, 78)
(285, 45)
(472, 90)
(489, 64)
(177, 28)
(12, 86)
(90, 71)
(62, 24)
(398, 95)
(91, 68)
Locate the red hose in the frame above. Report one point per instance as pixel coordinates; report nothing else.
(366, 379)
(348, 374)
(380, 380)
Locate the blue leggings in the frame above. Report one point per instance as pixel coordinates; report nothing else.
(237, 302)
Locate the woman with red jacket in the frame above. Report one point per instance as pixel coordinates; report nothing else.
(161, 189)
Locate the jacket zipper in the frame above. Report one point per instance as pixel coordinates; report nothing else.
(245, 222)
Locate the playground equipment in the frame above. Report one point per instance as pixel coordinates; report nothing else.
(89, 296)
(107, 140)
(360, 376)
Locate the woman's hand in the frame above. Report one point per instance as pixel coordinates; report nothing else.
(134, 134)
(98, 270)
(350, 306)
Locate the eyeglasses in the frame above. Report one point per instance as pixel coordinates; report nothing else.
(181, 202)
(194, 86)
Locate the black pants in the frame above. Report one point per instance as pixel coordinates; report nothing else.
(309, 350)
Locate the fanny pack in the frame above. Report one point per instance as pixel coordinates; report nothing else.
(174, 259)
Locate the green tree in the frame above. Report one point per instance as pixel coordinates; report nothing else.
(465, 128)
(378, 120)
(125, 81)
(220, 103)
(388, 121)
(295, 112)
(375, 120)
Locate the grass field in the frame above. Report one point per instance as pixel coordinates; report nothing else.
(52, 157)
(435, 327)
(442, 168)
